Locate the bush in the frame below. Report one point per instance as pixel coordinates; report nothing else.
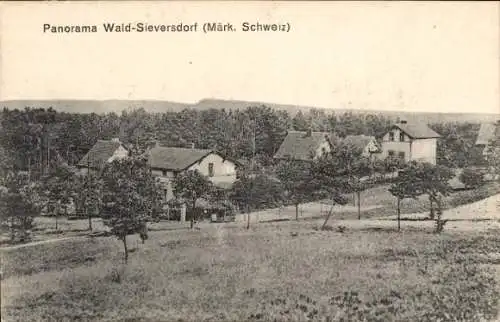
(472, 178)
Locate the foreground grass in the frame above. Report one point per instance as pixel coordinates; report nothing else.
(286, 271)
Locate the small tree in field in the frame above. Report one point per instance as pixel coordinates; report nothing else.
(407, 185)
(131, 198)
(58, 187)
(191, 185)
(329, 181)
(472, 178)
(256, 192)
(88, 195)
(350, 162)
(434, 181)
(19, 204)
(297, 181)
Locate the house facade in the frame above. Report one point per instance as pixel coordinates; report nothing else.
(410, 142)
(487, 133)
(103, 152)
(168, 162)
(304, 146)
(368, 145)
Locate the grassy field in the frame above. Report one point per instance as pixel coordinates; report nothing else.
(378, 202)
(375, 202)
(286, 271)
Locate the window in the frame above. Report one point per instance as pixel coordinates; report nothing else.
(391, 136)
(391, 153)
(401, 155)
(210, 169)
(401, 136)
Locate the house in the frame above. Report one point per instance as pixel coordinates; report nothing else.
(367, 144)
(303, 146)
(487, 132)
(104, 151)
(168, 162)
(410, 142)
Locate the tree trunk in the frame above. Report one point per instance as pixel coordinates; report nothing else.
(125, 249)
(248, 217)
(90, 220)
(193, 210)
(57, 215)
(359, 204)
(297, 211)
(399, 214)
(12, 229)
(327, 217)
(431, 214)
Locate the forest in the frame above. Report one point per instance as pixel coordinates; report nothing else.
(33, 138)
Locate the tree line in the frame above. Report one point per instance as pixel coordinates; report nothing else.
(35, 137)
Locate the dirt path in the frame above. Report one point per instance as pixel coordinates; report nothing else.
(41, 242)
(486, 209)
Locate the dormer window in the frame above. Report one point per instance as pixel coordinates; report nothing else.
(401, 137)
(391, 136)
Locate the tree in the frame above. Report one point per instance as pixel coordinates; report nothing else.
(351, 162)
(256, 191)
(88, 195)
(19, 204)
(434, 181)
(297, 181)
(191, 185)
(407, 185)
(331, 181)
(131, 198)
(58, 187)
(472, 178)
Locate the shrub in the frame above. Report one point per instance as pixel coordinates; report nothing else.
(472, 178)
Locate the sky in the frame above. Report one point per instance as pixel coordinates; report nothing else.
(413, 56)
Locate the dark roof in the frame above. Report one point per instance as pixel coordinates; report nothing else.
(99, 154)
(298, 145)
(486, 133)
(177, 159)
(417, 130)
(359, 141)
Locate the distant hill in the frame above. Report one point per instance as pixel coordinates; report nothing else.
(106, 106)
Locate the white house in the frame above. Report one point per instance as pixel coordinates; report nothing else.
(367, 144)
(104, 151)
(167, 162)
(410, 142)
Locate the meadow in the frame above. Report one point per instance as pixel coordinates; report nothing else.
(286, 271)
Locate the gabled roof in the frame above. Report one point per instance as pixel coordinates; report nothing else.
(487, 132)
(99, 154)
(297, 145)
(417, 130)
(175, 159)
(359, 141)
